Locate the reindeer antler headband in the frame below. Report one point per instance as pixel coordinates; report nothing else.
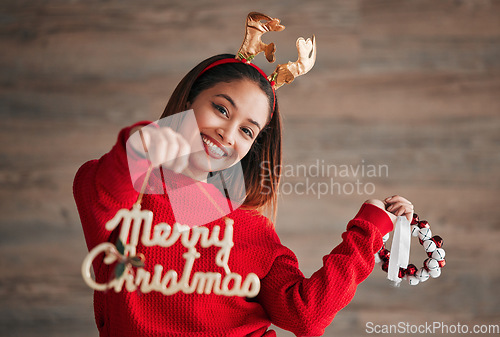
(256, 25)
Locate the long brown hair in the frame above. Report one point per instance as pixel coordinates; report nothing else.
(262, 164)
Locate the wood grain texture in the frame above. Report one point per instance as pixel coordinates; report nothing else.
(413, 85)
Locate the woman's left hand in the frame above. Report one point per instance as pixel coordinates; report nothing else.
(398, 205)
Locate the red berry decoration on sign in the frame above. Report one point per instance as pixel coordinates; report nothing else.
(432, 246)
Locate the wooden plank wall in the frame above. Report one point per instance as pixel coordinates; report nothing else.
(408, 85)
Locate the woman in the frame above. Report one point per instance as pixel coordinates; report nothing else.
(239, 122)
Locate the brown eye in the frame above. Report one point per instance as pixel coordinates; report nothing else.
(221, 109)
(248, 132)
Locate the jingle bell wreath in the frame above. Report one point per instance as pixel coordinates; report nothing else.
(432, 246)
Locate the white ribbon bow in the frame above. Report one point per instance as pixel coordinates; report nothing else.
(400, 249)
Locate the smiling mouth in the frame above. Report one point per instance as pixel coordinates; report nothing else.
(212, 149)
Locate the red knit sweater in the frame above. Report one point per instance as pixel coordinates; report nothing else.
(305, 306)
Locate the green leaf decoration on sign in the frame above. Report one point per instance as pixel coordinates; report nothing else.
(124, 262)
(120, 247)
(119, 270)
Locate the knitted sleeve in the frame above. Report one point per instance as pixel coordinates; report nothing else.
(102, 187)
(306, 306)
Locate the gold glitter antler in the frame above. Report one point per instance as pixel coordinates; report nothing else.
(286, 73)
(257, 24)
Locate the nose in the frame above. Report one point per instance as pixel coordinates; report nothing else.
(227, 134)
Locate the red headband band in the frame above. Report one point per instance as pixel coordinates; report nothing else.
(233, 60)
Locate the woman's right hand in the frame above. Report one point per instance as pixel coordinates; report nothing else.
(164, 146)
(394, 206)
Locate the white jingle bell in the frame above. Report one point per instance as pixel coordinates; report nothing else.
(385, 238)
(422, 275)
(431, 264)
(432, 245)
(412, 280)
(435, 272)
(424, 234)
(429, 246)
(438, 254)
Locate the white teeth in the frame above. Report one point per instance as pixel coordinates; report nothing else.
(213, 148)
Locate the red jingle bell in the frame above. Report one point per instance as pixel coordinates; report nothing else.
(385, 265)
(384, 254)
(414, 221)
(402, 272)
(442, 263)
(423, 224)
(411, 270)
(438, 241)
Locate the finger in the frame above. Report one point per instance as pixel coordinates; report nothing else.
(397, 198)
(157, 148)
(400, 210)
(393, 205)
(409, 216)
(172, 147)
(409, 213)
(397, 205)
(405, 210)
(181, 161)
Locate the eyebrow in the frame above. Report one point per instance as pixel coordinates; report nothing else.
(230, 100)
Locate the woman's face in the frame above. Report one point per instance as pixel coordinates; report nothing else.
(229, 117)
